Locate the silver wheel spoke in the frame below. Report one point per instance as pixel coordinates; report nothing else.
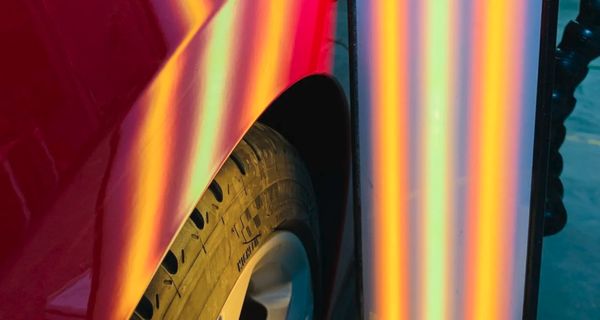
(276, 300)
(276, 281)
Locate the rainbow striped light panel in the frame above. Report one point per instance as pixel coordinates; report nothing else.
(447, 103)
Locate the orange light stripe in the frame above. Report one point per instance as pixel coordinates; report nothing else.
(492, 229)
(390, 137)
(274, 19)
(147, 202)
(477, 35)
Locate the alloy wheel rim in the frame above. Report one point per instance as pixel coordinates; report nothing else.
(275, 283)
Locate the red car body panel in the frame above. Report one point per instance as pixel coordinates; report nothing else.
(115, 115)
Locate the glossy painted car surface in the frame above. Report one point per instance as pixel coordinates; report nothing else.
(114, 117)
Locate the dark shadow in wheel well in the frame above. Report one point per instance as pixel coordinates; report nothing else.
(313, 115)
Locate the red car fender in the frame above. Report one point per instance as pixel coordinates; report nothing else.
(117, 115)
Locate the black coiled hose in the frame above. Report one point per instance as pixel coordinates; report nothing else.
(580, 45)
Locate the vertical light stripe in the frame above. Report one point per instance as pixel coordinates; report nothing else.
(215, 76)
(435, 168)
(149, 186)
(275, 18)
(389, 98)
(478, 35)
(491, 230)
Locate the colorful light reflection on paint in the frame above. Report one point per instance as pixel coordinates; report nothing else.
(447, 96)
(228, 60)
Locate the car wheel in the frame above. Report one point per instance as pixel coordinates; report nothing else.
(249, 249)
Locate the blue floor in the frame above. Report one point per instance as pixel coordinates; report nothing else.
(570, 278)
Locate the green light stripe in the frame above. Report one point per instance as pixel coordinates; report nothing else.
(216, 71)
(436, 97)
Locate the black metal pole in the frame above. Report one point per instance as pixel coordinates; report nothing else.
(540, 154)
(356, 189)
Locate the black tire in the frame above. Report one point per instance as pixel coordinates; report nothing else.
(262, 187)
